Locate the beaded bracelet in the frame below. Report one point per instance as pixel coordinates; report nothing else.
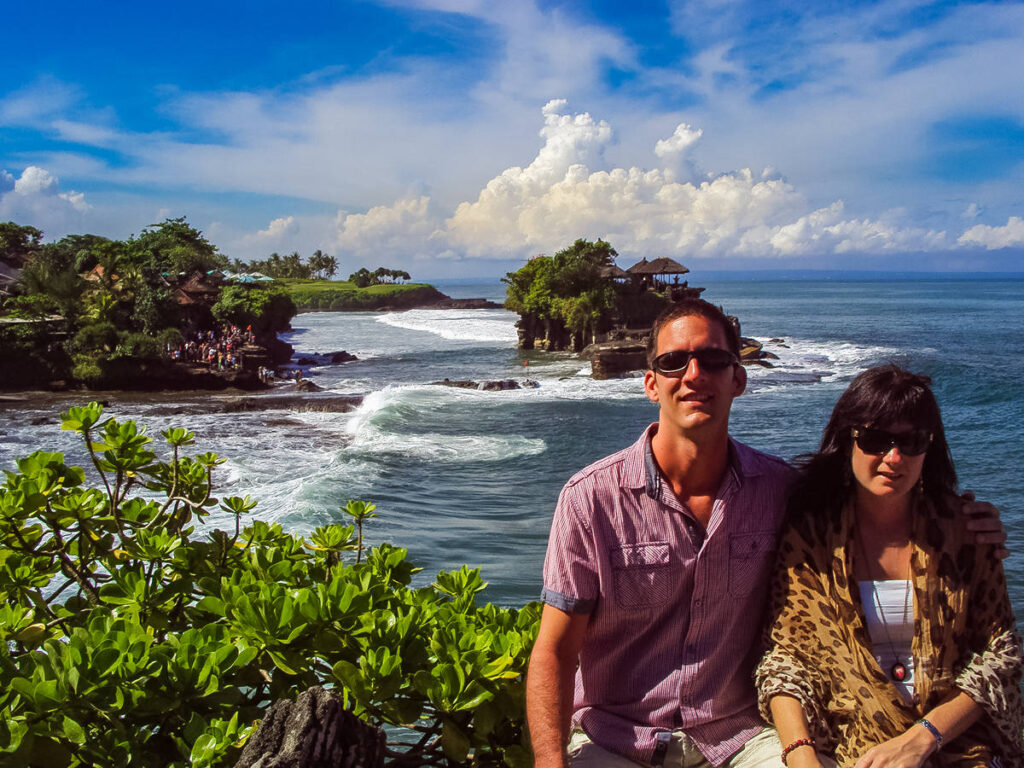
(794, 745)
(936, 734)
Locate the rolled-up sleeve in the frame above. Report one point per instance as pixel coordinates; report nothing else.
(571, 569)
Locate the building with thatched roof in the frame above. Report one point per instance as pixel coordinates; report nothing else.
(615, 272)
(653, 274)
(195, 297)
(660, 266)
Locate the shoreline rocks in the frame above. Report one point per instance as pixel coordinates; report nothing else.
(488, 386)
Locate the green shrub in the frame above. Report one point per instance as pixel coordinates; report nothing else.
(87, 369)
(128, 638)
(138, 346)
(95, 337)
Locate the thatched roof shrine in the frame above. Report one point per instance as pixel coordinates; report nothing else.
(660, 266)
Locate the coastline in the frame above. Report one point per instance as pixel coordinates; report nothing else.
(190, 401)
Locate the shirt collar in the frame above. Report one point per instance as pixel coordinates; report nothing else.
(641, 471)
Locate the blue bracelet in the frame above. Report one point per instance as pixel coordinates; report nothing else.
(932, 730)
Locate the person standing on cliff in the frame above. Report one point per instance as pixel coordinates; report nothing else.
(657, 574)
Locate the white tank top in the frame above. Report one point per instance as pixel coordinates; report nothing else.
(892, 642)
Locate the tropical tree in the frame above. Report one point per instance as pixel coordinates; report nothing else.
(566, 299)
(17, 241)
(173, 248)
(323, 265)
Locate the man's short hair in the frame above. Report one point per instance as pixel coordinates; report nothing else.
(692, 308)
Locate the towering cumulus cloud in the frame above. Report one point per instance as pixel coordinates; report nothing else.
(35, 198)
(673, 208)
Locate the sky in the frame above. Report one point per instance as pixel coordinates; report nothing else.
(458, 138)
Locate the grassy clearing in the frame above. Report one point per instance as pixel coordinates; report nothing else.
(343, 296)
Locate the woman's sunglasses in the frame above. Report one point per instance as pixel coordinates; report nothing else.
(878, 442)
(710, 359)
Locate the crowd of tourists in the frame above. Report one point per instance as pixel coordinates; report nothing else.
(216, 349)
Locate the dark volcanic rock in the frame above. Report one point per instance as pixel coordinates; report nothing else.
(305, 385)
(613, 359)
(314, 731)
(306, 361)
(252, 403)
(466, 304)
(489, 386)
(342, 357)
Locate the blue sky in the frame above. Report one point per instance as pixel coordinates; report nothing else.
(458, 137)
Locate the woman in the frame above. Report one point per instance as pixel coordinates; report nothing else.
(891, 639)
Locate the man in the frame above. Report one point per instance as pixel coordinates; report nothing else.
(657, 574)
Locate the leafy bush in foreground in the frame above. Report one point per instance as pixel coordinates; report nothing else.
(129, 639)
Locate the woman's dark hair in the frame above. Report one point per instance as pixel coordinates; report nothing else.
(881, 397)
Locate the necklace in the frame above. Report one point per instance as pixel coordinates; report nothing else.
(898, 671)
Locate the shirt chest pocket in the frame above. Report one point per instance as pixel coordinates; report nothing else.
(642, 574)
(751, 556)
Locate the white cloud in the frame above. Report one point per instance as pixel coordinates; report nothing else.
(972, 211)
(993, 238)
(35, 199)
(557, 198)
(684, 137)
(278, 229)
(403, 231)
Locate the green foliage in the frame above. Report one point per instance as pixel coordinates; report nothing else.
(569, 288)
(323, 265)
(127, 638)
(174, 247)
(289, 266)
(339, 296)
(267, 309)
(364, 278)
(18, 241)
(28, 355)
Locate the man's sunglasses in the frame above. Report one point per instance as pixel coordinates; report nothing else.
(878, 442)
(711, 359)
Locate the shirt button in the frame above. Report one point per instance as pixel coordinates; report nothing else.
(698, 603)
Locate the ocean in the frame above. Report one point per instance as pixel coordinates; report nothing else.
(467, 476)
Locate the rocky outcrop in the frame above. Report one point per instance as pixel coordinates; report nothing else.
(465, 304)
(489, 386)
(314, 731)
(614, 359)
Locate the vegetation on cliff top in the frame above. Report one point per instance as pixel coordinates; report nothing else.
(339, 296)
(129, 637)
(102, 312)
(569, 298)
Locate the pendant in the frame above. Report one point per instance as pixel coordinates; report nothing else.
(898, 672)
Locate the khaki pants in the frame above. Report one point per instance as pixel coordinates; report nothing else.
(762, 751)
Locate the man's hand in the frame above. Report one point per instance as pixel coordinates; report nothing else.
(983, 519)
(908, 750)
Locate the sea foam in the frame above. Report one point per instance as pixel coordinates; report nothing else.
(494, 325)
